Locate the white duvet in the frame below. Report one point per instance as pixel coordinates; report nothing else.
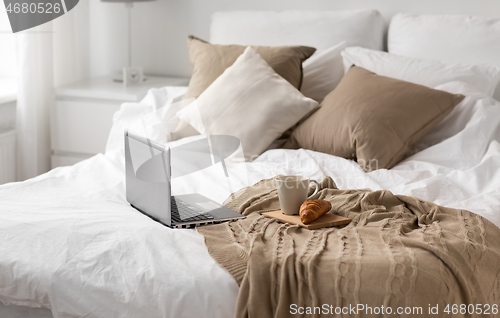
(70, 242)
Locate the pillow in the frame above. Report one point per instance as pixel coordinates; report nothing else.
(210, 60)
(320, 29)
(373, 119)
(429, 73)
(452, 38)
(249, 101)
(322, 72)
(459, 117)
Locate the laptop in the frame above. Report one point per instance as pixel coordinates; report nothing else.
(148, 184)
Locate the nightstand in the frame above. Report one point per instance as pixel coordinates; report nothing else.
(82, 114)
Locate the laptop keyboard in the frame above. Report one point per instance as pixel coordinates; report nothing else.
(183, 213)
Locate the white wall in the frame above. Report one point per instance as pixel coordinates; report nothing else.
(160, 28)
(7, 47)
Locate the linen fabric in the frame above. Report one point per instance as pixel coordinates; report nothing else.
(398, 251)
(430, 73)
(82, 214)
(210, 60)
(373, 119)
(323, 72)
(249, 101)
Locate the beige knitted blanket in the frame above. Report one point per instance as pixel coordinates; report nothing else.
(398, 252)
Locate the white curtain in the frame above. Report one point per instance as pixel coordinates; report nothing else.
(50, 55)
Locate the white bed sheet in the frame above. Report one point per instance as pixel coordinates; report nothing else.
(71, 243)
(13, 311)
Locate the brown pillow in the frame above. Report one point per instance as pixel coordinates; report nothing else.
(373, 119)
(210, 60)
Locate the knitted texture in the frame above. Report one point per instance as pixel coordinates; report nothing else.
(398, 251)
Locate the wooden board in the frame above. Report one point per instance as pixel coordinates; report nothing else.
(327, 220)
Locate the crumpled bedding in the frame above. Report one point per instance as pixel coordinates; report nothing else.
(71, 243)
(398, 252)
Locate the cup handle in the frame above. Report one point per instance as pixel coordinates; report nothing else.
(316, 190)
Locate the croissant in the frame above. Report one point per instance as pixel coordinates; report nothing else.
(310, 210)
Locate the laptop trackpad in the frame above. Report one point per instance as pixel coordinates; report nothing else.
(208, 206)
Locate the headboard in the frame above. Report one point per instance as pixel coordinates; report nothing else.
(164, 25)
(319, 29)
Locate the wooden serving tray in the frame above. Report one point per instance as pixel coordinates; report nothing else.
(327, 220)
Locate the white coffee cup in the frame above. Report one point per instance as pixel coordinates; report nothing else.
(292, 192)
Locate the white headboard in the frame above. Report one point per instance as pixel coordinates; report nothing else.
(165, 25)
(319, 29)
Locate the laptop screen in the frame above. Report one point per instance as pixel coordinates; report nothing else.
(147, 166)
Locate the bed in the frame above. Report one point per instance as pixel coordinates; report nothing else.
(72, 246)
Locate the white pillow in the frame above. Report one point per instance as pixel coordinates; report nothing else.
(451, 38)
(319, 29)
(459, 118)
(322, 72)
(249, 101)
(429, 73)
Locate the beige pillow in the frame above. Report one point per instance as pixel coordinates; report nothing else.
(373, 119)
(211, 60)
(249, 101)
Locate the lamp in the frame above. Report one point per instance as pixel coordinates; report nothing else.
(130, 74)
